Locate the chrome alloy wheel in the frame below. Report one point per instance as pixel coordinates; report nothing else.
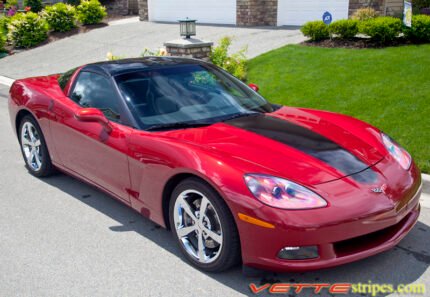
(198, 226)
(30, 142)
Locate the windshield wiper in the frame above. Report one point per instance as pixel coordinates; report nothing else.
(176, 126)
(240, 115)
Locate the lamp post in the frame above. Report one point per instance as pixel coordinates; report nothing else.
(187, 27)
(189, 47)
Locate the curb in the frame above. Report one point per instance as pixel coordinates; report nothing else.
(124, 21)
(6, 81)
(426, 183)
(425, 194)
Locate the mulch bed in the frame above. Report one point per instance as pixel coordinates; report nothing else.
(357, 43)
(54, 36)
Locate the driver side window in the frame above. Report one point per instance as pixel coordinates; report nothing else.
(95, 90)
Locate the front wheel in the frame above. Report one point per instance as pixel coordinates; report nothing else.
(34, 149)
(203, 226)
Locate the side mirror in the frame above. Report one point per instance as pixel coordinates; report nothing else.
(254, 87)
(93, 115)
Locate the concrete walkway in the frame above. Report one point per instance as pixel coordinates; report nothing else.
(128, 39)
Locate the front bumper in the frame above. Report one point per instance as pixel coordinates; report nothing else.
(349, 230)
(338, 253)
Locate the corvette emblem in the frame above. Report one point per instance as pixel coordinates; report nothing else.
(379, 190)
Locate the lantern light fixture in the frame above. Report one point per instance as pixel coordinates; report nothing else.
(187, 27)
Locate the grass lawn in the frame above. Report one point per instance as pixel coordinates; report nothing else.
(389, 88)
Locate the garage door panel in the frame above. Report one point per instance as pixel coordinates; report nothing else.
(204, 11)
(293, 12)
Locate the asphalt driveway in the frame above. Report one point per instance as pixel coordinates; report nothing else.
(60, 237)
(129, 40)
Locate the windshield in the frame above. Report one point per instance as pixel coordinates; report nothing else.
(182, 95)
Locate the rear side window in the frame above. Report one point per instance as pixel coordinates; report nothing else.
(64, 78)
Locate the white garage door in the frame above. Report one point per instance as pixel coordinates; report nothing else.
(298, 12)
(204, 11)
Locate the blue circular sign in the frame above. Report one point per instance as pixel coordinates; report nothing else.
(327, 18)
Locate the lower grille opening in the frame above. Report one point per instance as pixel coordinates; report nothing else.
(368, 241)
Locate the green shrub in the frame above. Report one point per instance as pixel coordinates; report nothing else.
(381, 29)
(158, 53)
(90, 12)
(345, 29)
(316, 30)
(60, 17)
(36, 5)
(420, 30)
(4, 22)
(364, 14)
(2, 43)
(235, 64)
(27, 30)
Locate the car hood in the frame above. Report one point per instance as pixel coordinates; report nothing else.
(291, 143)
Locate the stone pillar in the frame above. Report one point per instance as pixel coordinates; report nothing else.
(256, 12)
(394, 7)
(377, 5)
(133, 7)
(143, 10)
(189, 47)
(116, 6)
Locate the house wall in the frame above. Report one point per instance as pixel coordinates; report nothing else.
(264, 12)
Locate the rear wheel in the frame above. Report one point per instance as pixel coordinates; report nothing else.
(203, 226)
(33, 148)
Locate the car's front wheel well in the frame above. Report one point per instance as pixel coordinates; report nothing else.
(168, 190)
(170, 187)
(21, 114)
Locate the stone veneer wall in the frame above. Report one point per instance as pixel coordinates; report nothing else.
(143, 9)
(377, 5)
(116, 6)
(133, 7)
(394, 7)
(256, 12)
(197, 53)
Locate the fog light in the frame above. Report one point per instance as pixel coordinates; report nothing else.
(298, 252)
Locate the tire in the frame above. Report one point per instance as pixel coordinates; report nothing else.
(220, 252)
(33, 148)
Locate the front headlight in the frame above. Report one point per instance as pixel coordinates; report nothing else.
(397, 152)
(282, 193)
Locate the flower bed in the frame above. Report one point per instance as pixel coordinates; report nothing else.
(366, 29)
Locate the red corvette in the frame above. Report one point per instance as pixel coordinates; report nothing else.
(234, 177)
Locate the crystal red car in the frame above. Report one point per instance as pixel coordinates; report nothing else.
(236, 178)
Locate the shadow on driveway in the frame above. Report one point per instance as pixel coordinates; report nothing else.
(402, 265)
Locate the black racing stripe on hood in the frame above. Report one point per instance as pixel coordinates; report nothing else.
(306, 141)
